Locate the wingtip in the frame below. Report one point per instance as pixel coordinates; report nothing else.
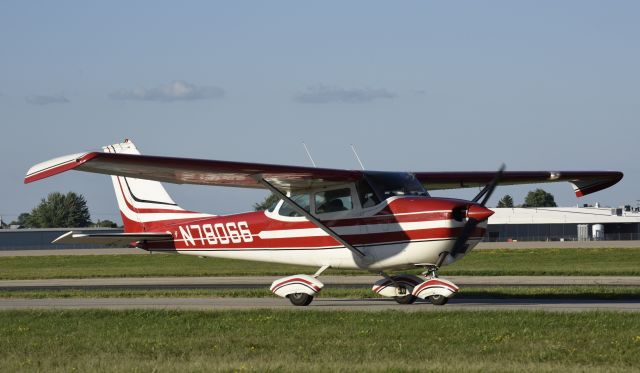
(57, 165)
(583, 188)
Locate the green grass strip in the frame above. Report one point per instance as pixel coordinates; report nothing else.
(266, 340)
(571, 292)
(585, 262)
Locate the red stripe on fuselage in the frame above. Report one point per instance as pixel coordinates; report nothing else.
(313, 242)
(258, 222)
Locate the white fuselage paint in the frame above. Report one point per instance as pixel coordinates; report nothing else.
(392, 255)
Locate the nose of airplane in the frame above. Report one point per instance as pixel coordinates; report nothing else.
(478, 212)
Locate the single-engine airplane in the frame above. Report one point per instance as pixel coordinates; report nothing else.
(326, 218)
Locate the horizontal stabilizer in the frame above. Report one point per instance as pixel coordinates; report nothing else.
(124, 239)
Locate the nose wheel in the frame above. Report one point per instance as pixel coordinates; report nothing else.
(435, 289)
(407, 299)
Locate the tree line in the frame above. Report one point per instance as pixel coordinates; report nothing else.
(61, 211)
(535, 198)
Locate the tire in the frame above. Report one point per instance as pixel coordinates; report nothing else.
(407, 299)
(300, 299)
(439, 300)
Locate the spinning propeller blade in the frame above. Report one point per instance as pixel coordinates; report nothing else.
(476, 214)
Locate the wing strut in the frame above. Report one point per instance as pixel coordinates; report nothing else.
(308, 215)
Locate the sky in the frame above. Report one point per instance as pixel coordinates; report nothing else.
(414, 85)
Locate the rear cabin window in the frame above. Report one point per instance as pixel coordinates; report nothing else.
(302, 200)
(334, 200)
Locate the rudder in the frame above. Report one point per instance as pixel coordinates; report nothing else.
(144, 205)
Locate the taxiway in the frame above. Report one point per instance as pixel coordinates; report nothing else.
(321, 304)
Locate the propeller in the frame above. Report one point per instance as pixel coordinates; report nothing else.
(476, 214)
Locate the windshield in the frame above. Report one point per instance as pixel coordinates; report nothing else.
(389, 184)
(301, 199)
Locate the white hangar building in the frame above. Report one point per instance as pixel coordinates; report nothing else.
(564, 224)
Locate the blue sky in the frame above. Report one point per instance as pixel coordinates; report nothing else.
(414, 85)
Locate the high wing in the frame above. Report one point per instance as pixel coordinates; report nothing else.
(583, 182)
(192, 171)
(291, 178)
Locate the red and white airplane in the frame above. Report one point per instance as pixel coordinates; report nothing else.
(327, 218)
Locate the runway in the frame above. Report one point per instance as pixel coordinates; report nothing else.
(245, 282)
(320, 304)
(459, 303)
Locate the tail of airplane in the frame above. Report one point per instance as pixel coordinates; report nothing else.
(145, 206)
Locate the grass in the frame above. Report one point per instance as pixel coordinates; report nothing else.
(587, 262)
(540, 262)
(264, 340)
(574, 292)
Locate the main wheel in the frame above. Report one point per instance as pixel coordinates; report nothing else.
(439, 300)
(300, 299)
(406, 299)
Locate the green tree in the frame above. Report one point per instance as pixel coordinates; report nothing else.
(506, 201)
(59, 211)
(539, 198)
(24, 220)
(266, 203)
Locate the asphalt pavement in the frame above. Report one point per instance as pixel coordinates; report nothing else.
(321, 304)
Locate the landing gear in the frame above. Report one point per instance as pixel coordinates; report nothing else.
(299, 289)
(438, 300)
(300, 299)
(436, 289)
(398, 287)
(406, 289)
(407, 299)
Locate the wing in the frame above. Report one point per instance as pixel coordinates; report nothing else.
(584, 182)
(193, 171)
(290, 178)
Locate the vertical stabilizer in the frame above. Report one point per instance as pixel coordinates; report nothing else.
(144, 204)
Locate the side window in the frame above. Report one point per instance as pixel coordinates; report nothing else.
(334, 200)
(301, 199)
(367, 196)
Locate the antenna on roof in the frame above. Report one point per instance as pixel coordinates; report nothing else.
(309, 154)
(358, 158)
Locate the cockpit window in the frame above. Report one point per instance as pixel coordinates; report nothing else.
(334, 200)
(367, 195)
(389, 184)
(302, 200)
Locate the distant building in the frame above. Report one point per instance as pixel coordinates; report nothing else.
(40, 239)
(564, 224)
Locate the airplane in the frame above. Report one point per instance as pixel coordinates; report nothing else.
(325, 218)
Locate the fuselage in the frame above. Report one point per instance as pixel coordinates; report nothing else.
(399, 232)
